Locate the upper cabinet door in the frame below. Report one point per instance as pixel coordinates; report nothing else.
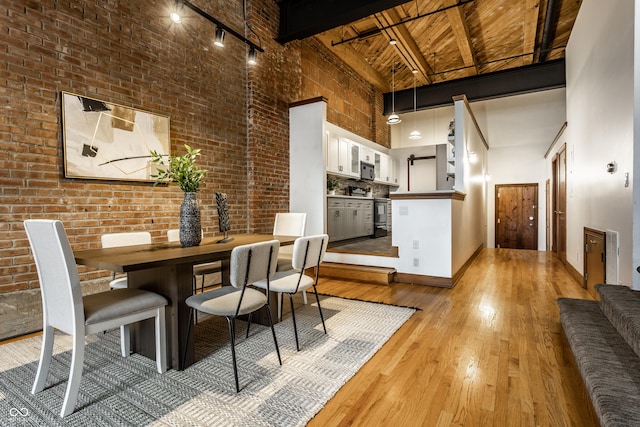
(366, 154)
(333, 154)
(354, 151)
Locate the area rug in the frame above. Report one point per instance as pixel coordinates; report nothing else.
(129, 391)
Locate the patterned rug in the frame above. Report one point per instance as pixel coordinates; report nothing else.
(119, 391)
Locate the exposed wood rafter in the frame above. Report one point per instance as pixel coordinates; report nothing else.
(461, 31)
(349, 55)
(409, 50)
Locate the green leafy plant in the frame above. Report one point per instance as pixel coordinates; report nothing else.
(332, 183)
(181, 170)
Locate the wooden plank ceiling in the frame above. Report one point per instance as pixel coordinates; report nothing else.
(451, 39)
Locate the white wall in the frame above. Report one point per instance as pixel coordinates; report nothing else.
(600, 127)
(524, 164)
(433, 124)
(519, 129)
(423, 172)
(468, 217)
(306, 164)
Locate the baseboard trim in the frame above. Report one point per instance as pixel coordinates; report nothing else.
(458, 275)
(422, 279)
(574, 274)
(441, 282)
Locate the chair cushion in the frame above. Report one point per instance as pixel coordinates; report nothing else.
(224, 301)
(119, 283)
(119, 302)
(286, 282)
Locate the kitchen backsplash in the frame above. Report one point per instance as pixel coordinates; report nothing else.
(379, 190)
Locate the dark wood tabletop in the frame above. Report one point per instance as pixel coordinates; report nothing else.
(140, 257)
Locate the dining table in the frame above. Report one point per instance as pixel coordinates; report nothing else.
(167, 269)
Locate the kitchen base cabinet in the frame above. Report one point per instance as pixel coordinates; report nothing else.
(349, 218)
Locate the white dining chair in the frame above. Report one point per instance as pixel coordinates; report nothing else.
(112, 240)
(288, 224)
(308, 252)
(64, 308)
(248, 264)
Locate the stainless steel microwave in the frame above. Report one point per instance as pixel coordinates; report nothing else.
(367, 171)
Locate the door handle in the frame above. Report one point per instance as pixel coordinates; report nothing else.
(531, 218)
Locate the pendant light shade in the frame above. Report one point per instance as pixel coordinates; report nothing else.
(415, 133)
(393, 119)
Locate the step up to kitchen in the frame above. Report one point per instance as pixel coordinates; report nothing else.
(362, 273)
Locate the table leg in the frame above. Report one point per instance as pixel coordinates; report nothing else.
(175, 284)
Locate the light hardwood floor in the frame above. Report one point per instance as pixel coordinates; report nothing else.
(489, 352)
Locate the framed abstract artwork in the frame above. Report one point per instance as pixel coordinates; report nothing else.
(108, 141)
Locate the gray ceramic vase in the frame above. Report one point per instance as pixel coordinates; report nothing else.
(190, 231)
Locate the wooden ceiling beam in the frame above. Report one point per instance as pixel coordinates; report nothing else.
(406, 44)
(355, 60)
(530, 27)
(461, 33)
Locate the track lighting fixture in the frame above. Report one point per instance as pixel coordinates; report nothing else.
(219, 40)
(393, 42)
(221, 29)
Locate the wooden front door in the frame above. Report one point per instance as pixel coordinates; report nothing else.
(594, 260)
(516, 216)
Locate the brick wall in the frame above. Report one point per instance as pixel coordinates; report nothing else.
(129, 53)
(352, 103)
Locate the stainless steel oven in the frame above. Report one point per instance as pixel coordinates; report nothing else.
(380, 207)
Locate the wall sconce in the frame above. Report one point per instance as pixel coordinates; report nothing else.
(611, 167)
(221, 29)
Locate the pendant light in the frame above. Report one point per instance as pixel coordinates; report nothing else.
(393, 119)
(415, 133)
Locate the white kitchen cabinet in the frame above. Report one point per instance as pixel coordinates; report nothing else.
(385, 168)
(394, 168)
(343, 156)
(366, 154)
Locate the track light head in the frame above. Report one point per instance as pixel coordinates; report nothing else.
(252, 57)
(219, 40)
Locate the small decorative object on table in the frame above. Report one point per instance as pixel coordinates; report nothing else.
(223, 217)
(182, 170)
